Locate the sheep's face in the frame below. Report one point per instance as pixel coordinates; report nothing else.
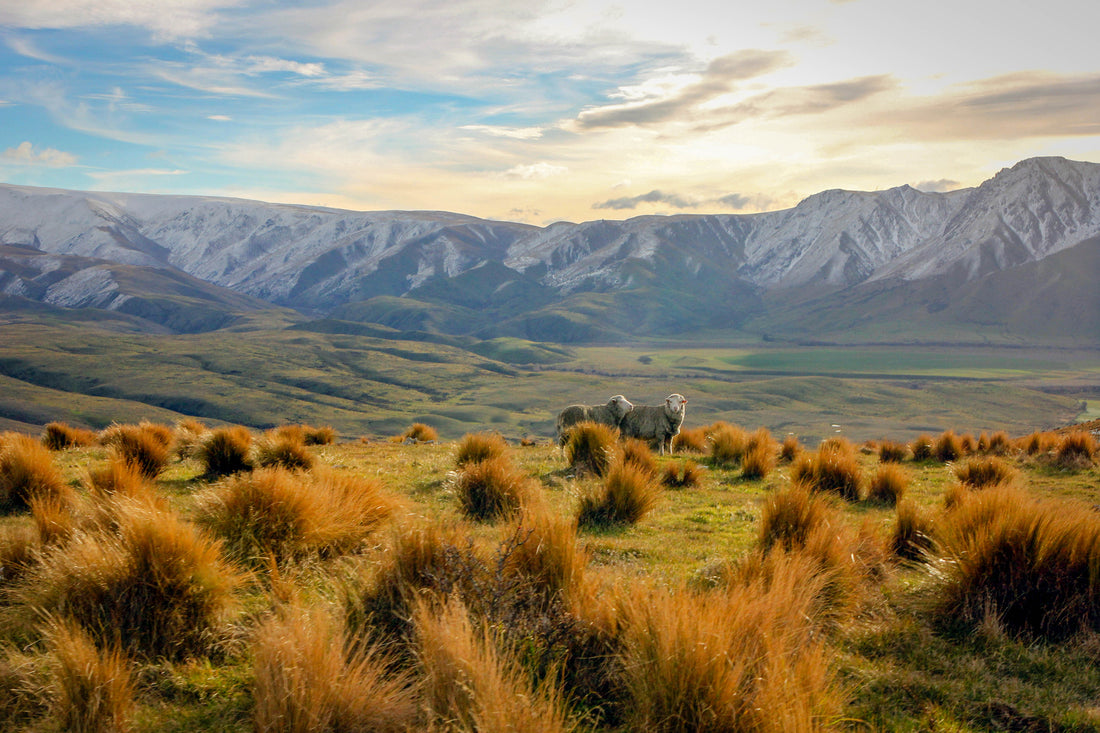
(675, 403)
(619, 405)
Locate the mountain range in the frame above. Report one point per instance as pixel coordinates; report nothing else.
(1013, 260)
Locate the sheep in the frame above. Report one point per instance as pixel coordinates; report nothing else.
(656, 423)
(610, 414)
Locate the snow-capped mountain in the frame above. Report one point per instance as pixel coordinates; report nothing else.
(64, 247)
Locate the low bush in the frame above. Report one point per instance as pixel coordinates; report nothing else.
(888, 484)
(589, 447)
(306, 682)
(491, 489)
(1028, 563)
(475, 447)
(625, 496)
(90, 690)
(27, 470)
(59, 436)
(980, 472)
(225, 451)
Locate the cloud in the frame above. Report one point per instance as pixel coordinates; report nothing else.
(167, 19)
(717, 80)
(938, 186)
(653, 197)
(515, 133)
(535, 171)
(220, 118)
(25, 154)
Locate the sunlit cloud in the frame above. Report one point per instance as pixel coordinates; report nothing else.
(166, 18)
(535, 171)
(26, 154)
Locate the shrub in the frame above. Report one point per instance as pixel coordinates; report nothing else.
(789, 449)
(947, 447)
(1076, 450)
(921, 447)
(418, 432)
(978, 473)
(637, 451)
(690, 440)
(469, 684)
(156, 585)
(476, 447)
(892, 452)
(59, 436)
(27, 470)
(283, 450)
(91, 691)
(273, 512)
(305, 682)
(626, 495)
(589, 447)
(682, 475)
(491, 489)
(225, 451)
(911, 538)
(687, 667)
(142, 446)
(788, 516)
(727, 445)
(888, 485)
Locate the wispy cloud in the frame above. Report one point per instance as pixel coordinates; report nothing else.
(26, 154)
(535, 171)
(166, 18)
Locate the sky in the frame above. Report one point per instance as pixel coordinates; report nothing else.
(541, 111)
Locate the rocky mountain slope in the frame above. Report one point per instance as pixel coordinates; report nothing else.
(197, 263)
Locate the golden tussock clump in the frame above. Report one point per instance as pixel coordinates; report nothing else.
(226, 451)
(590, 447)
(27, 470)
(491, 489)
(682, 475)
(59, 436)
(625, 496)
(90, 690)
(474, 447)
(888, 484)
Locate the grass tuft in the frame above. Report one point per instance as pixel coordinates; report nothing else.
(226, 451)
(59, 436)
(27, 470)
(1076, 450)
(922, 448)
(682, 475)
(690, 440)
(589, 447)
(283, 450)
(890, 451)
(475, 447)
(418, 432)
(888, 485)
(834, 467)
(491, 489)
(912, 537)
(625, 496)
(980, 472)
(948, 447)
(727, 445)
(91, 691)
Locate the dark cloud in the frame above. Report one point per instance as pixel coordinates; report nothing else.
(734, 200)
(719, 78)
(653, 197)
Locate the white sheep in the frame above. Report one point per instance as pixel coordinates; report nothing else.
(610, 414)
(656, 423)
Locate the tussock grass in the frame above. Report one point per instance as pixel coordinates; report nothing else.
(320, 435)
(20, 546)
(834, 467)
(1038, 443)
(912, 536)
(1030, 564)
(1076, 450)
(625, 496)
(90, 690)
(789, 448)
(682, 475)
(690, 440)
(59, 436)
(891, 451)
(491, 489)
(283, 449)
(638, 452)
(999, 443)
(155, 585)
(276, 513)
(54, 519)
(687, 667)
(759, 458)
(983, 471)
(470, 684)
(727, 444)
(590, 447)
(475, 447)
(225, 451)
(306, 681)
(922, 447)
(888, 484)
(118, 478)
(27, 470)
(418, 432)
(142, 446)
(789, 515)
(188, 436)
(947, 447)
(549, 556)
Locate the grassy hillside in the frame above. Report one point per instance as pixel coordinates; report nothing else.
(808, 614)
(369, 380)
